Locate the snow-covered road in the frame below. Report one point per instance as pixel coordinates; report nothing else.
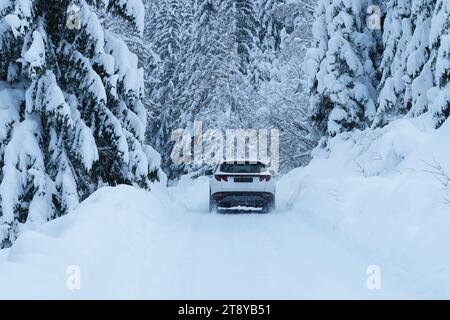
(267, 257)
(131, 244)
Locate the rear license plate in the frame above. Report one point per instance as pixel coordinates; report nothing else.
(241, 179)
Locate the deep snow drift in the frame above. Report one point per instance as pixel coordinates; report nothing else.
(387, 191)
(370, 201)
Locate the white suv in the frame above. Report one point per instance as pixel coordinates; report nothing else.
(241, 185)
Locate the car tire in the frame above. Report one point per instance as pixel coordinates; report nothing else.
(272, 206)
(269, 207)
(212, 205)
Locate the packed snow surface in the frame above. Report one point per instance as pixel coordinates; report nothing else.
(373, 200)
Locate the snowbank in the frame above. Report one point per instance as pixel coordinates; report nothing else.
(107, 237)
(384, 190)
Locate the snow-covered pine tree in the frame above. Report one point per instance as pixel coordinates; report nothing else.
(270, 25)
(79, 122)
(140, 44)
(196, 72)
(212, 87)
(170, 114)
(284, 99)
(197, 41)
(398, 30)
(420, 59)
(408, 62)
(340, 68)
(440, 43)
(232, 92)
(246, 31)
(166, 41)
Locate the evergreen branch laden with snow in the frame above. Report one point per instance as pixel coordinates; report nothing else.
(72, 116)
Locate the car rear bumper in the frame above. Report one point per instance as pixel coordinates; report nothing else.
(248, 199)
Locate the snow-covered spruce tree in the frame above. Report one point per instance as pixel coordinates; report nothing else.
(407, 63)
(152, 50)
(398, 29)
(166, 41)
(440, 43)
(79, 123)
(341, 74)
(195, 73)
(140, 44)
(246, 32)
(283, 99)
(254, 62)
(212, 86)
(420, 59)
(271, 25)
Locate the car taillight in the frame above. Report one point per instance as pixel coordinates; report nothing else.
(264, 178)
(220, 178)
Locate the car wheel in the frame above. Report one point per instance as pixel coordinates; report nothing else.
(212, 205)
(268, 207)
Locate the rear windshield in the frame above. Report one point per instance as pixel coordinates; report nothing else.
(242, 167)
